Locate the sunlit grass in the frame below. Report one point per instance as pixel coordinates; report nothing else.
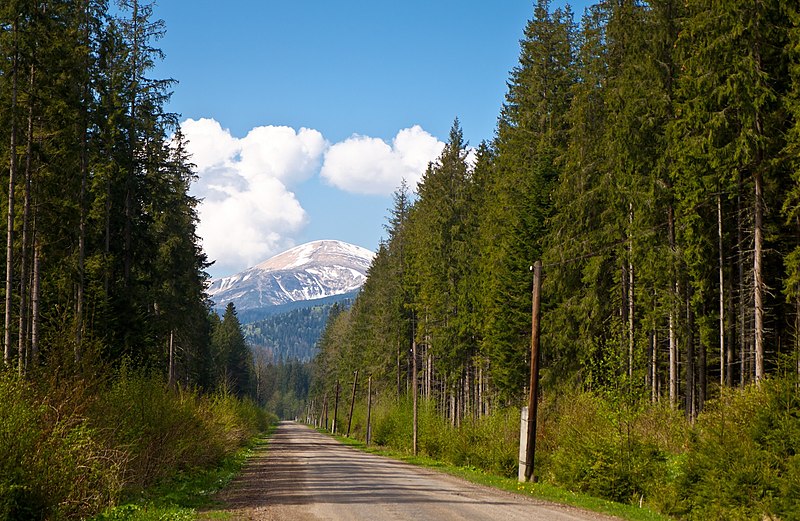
(185, 496)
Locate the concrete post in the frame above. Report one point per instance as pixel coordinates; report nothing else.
(523, 446)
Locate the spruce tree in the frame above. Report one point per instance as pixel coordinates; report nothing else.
(531, 136)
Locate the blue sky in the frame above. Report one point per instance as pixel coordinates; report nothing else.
(303, 115)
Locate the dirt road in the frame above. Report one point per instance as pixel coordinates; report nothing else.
(308, 476)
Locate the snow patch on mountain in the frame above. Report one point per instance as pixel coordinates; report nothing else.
(310, 271)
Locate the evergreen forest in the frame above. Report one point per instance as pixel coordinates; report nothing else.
(116, 373)
(649, 156)
(291, 335)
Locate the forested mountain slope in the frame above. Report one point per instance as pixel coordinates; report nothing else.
(292, 335)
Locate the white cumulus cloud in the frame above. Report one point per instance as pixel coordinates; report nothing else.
(248, 209)
(367, 165)
(247, 212)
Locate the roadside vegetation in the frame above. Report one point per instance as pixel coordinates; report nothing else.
(74, 448)
(638, 462)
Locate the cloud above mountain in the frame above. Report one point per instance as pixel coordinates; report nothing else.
(249, 209)
(366, 165)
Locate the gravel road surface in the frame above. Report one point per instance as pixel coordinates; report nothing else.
(305, 475)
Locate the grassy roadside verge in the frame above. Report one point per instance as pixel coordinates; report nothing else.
(542, 491)
(180, 498)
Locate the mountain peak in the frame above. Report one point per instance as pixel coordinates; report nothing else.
(311, 271)
(315, 252)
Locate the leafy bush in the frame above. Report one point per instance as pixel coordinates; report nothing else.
(165, 431)
(743, 458)
(489, 442)
(69, 448)
(392, 424)
(596, 445)
(51, 466)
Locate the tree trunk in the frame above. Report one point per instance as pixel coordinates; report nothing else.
(35, 292)
(171, 378)
(335, 408)
(743, 344)
(414, 396)
(654, 367)
(758, 283)
(480, 390)
(673, 340)
(631, 301)
(352, 403)
(702, 382)
(723, 377)
(623, 313)
(82, 201)
(467, 392)
(133, 167)
(22, 337)
(758, 235)
(399, 371)
(12, 175)
(452, 401)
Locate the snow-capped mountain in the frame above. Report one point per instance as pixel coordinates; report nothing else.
(310, 271)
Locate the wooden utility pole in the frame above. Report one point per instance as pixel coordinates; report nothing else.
(533, 397)
(171, 370)
(352, 403)
(335, 408)
(369, 409)
(325, 410)
(414, 395)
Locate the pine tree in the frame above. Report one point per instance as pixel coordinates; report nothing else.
(437, 239)
(791, 204)
(233, 358)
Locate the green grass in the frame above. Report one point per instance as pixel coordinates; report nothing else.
(180, 498)
(542, 491)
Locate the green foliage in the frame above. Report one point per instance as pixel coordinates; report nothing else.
(53, 462)
(488, 443)
(233, 360)
(283, 388)
(391, 424)
(292, 335)
(649, 158)
(743, 457)
(180, 497)
(70, 449)
(101, 169)
(596, 445)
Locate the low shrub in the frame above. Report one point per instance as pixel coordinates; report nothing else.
(489, 442)
(51, 466)
(69, 449)
(743, 460)
(593, 444)
(392, 424)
